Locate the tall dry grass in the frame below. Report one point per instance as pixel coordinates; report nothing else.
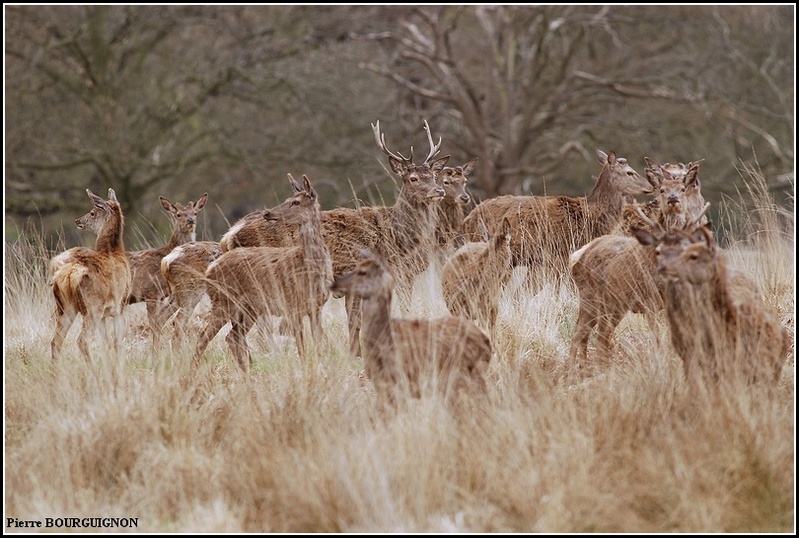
(305, 447)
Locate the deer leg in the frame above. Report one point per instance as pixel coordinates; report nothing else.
(88, 330)
(582, 332)
(353, 306)
(237, 340)
(183, 303)
(214, 324)
(118, 322)
(155, 312)
(317, 331)
(63, 323)
(605, 327)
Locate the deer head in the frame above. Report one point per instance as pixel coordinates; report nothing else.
(418, 179)
(185, 216)
(95, 219)
(301, 207)
(453, 180)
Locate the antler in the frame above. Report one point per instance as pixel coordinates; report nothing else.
(655, 225)
(695, 221)
(434, 148)
(380, 138)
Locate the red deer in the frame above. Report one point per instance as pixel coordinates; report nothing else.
(184, 272)
(92, 283)
(401, 352)
(452, 208)
(473, 278)
(720, 325)
(148, 284)
(246, 283)
(547, 229)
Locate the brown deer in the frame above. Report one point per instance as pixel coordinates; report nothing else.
(148, 284)
(473, 278)
(246, 283)
(92, 283)
(720, 325)
(452, 208)
(547, 229)
(614, 274)
(184, 272)
(403, 352)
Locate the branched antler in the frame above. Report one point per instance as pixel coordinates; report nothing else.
(434, 148)
(380, 138)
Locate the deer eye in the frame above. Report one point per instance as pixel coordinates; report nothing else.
(683, 189)
(662, 190)
(295, 202)
(693, 256)
(413, 178)
(446, 182)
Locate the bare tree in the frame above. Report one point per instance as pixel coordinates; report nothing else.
(525, 87)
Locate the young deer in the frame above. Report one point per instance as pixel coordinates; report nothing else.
(545, 230)
(615, 274)
(452, 208)
(245, 283)
(92, 283)
(148, 283)
(403, 352)
(473, 278)
(720, 325)
(184, 272)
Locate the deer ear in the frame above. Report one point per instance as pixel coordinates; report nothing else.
(112, 195)
(601, 156)
(653, 175)
(201, 202)
(167, 205)
(96, 200)
(468, 167)
(308, 188)
(294, 185)
(691, 178)
(704, 234)
(644, 237)
(397, 166)
(437, 165)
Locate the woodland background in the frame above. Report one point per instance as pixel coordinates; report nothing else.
(180, 100)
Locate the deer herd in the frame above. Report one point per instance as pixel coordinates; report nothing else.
(287, 261)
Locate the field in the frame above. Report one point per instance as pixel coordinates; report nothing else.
(305, 447)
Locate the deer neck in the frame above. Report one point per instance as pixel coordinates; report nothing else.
(376, 335)
(413, 223)
(110, 237)
(605, 204)
(179, 238)
(451, 213)
(719, 291)
(312, 241)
